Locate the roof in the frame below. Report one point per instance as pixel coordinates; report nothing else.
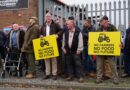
(61, 2)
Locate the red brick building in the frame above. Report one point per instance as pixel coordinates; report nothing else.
(20, 16)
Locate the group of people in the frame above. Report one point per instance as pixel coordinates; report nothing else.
(73, 60)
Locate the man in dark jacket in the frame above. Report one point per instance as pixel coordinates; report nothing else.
(72, 47)
(31, 33)
(15, 42)
(51, 28)
(88, 62)
(3, 39)
(16, 38)
(127, 54)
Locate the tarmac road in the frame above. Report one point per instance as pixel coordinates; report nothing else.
(17, 88)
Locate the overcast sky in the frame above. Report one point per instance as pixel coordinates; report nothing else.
(71, 2)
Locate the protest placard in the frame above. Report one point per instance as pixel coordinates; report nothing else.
(104, 43)
(45, 47)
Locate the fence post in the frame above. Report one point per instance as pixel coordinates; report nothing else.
(78, 15)
(128, 10)
(70, 11)
(73, 12)
(86, 11)
(65, 12)
(119, 3)
(105, 8)
(114, 13)
(41, 11)
(95, 20)
(53, 11)
(82, 13)
(100, 9)
(91, 12)
(124, 5)
(110, 11)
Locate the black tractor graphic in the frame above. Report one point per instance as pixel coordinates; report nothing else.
(102, 37)
(43, 42)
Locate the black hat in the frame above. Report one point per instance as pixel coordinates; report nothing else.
(71, 18)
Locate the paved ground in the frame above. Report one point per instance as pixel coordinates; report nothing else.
(60, 84)
(17, 88)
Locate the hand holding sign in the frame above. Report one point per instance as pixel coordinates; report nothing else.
(45, 47)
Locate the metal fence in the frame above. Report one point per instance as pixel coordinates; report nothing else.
(117, 11)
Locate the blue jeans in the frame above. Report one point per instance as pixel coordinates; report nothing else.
(88, 63)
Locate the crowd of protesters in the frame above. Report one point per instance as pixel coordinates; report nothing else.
(74, 60)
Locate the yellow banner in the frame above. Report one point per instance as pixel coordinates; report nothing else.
(104, 43)
(45, 47)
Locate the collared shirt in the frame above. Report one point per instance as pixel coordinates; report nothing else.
(47, 30)
(104, 30)
(71, 35)
(14, 39)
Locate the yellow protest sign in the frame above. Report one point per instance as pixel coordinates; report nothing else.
(104, 43)
(45, 47)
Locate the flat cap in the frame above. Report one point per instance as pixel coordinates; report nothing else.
(34, 18)
(104, 18)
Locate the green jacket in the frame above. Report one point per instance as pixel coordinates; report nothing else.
(110, 28)
(31, 33)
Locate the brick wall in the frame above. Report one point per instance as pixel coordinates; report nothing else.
(7, 17)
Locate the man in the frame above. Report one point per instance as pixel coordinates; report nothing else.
(106, 27)
(51, 28)
(72, 47)
(3, 39)
(15, 42)
(31, 33)
(88, 62)
(16, 38)
(66, 29)
(60, 63)
(106, 66)
(127, 54)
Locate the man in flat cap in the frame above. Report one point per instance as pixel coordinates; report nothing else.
(31, 33)
(105, 26)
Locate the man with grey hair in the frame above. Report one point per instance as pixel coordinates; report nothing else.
(51, 28)
(15, 42)
(16, 38)
(72, 47)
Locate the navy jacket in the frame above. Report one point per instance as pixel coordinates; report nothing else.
(127, 42)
